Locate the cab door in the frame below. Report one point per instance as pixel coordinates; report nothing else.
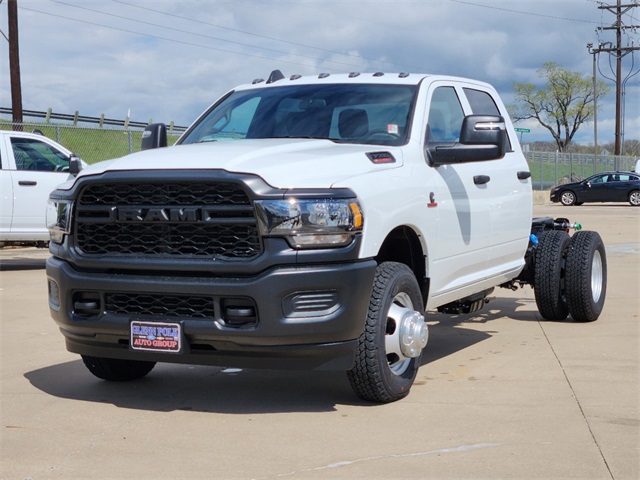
(461, 198)
(6, 190)
(40, 166)
(507, 193)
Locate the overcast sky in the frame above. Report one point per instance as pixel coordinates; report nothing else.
(168, 60)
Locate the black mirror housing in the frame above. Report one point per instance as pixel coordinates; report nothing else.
(482, 137)
(154, 136)
(75, 164)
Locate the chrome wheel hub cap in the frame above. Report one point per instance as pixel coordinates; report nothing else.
(407, 334)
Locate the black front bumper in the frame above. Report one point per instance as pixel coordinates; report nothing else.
(304, 316)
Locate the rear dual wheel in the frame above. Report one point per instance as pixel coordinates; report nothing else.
(570, 275)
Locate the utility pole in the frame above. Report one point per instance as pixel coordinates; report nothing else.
(618, 10)
(14, 63)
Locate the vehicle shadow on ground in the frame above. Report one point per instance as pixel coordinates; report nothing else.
(234, 391)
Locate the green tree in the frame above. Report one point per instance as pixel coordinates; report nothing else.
(562, 106)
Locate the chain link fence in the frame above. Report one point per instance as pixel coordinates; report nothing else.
(92, 143)
(549, 168)
(95, 143)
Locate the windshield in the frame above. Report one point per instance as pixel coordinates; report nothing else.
(372, 114)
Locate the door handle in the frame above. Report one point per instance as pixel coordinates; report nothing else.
(27, 183)
(523, 175)
(481, 179)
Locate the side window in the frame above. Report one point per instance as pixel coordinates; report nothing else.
(38, 156)
(445, 116)
(481, 102)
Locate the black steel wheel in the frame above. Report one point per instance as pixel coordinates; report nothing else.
(586, 276)
(395, 333)
(548, 280)
(568, 198)
(116, 370)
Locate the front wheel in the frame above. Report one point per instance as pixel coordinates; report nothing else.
(634, 198)
(395, 333)
(568, 198)
(116, 370)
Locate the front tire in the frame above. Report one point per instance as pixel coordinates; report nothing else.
(586, 276)
(395, 333)
(568, 198)
(116, 370)
(549, 274)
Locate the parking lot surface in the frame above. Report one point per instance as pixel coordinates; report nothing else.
(501, 394)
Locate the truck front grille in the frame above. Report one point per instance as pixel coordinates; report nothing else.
(167, 219)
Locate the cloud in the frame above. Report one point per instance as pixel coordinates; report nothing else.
(105, 56)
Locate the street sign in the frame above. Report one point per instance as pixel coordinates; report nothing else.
(523, 130)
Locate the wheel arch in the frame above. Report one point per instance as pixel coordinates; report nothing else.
(403, 245)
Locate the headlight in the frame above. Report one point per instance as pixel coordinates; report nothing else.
(59, 219)
(311, 223)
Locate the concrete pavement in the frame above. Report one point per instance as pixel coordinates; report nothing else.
(501, 394)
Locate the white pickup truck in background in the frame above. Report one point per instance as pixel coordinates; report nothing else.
(32, 166)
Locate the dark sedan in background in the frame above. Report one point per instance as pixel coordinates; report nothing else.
(602, 187)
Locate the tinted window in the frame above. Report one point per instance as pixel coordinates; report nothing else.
(359, 113)
(35, 155)
(481, 102)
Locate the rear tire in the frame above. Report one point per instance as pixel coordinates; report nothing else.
(586, 276)
(382, 373)
(549, 274)
(634, 198)
(116, 370)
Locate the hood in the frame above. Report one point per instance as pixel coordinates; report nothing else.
(282, 163)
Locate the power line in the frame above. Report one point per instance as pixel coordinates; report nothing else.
(618, 52)
(198, 34)
(157, 37)
(266, 37)
(510, 10)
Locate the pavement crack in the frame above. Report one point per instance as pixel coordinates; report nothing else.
(346, 463)
(575, 396)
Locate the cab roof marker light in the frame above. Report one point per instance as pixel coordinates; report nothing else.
(295, 77)
(378, 74)
(257, 80)
(324, 75)
(275, 76)
(354, 74)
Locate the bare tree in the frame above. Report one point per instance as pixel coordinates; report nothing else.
(562, 106)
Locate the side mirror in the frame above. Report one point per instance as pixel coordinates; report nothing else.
(75, 164)
(482, 137)
(154, 136)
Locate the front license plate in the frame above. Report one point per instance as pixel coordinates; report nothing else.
(156, 336)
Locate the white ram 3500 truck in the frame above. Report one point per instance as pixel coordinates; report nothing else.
(308, 222)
